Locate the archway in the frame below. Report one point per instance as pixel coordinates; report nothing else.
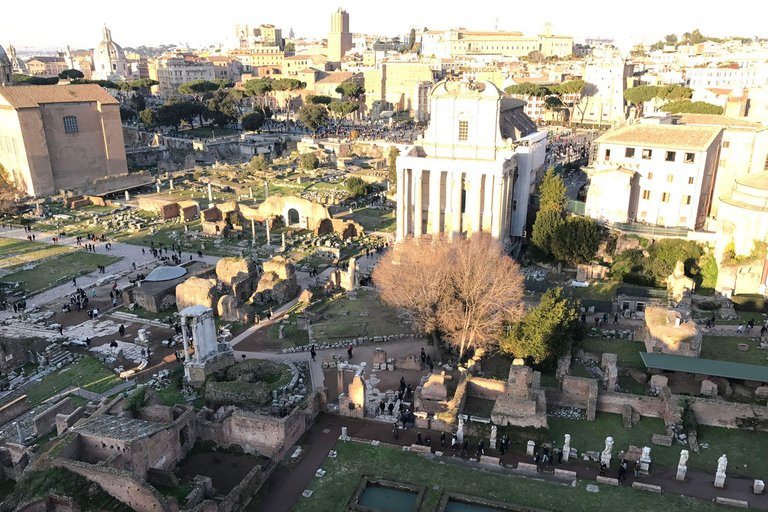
(293, 217)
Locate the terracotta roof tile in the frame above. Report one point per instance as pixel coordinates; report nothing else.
(31, 96)
(696, 138)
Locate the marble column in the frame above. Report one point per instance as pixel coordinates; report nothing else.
(496, 207)
(195, 341)
(401, 206)
(184, 339)
(418, 208)
(477, 203)
(456, 188)
(435, 195)
(253, 230)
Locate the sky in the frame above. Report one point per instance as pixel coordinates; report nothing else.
(200, 23)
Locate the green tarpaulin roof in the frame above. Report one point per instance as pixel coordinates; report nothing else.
(711, 367)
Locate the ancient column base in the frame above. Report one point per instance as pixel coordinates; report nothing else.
(681, 470)
(720, 480)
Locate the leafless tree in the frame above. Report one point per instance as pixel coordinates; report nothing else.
(464, 288)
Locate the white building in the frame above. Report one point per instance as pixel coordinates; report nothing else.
(602, 101)
(474, 168)
(109, 61)
(654, 172)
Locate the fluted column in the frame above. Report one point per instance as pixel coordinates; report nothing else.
(475, 203)
(456, 179)
(435, 196)
(402, 207)
(418, 208)
(496, 207)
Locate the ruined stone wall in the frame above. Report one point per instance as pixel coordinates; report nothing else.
(121, 485)
(239, 497)
(46, 421)
(653, 407)
(14, 352)
(719, 413)
(196, 291)
(94, 449)
(742, 279)
(264, 434)
(14, 409)
(489, 389)
(577, 392)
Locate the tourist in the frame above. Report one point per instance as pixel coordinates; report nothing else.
(423, 358)
(560, 457)
(404, 419)
(536, 460)
(637, 469)
(402, 384)
(382, 405)
(427, 440)
(480, 448)
(763, 330)
(391, 407)
(94, 293)
(454, 442)
(349, 351)
(312, 352)
(395, 430)
(622, 471)
(616, 318)
(408, 391)
(411, 419)
(545, 456)
(740, 330)
(603, 467)
(464, 447)
(418, 438)
(709, 323)
(121, 330)
(442, 440)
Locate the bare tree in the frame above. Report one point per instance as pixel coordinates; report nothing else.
(464, 288)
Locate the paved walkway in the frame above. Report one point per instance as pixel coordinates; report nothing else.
(130, 254)
(286, 487)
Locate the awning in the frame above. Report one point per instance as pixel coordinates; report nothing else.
(710, 367)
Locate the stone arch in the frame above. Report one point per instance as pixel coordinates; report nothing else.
(293, 216)
(350, 231)
(324, 227)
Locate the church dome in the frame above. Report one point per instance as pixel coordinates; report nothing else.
(108, 50)
(4, 60)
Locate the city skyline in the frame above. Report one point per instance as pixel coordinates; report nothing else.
(659, 18)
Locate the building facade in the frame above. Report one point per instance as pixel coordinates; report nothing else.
(6, 69)
(59, 137)
(172, 71)
(339, 38)
(46, 66)
(459, 43)
(473, 167)
(654, 172)
(602, 101)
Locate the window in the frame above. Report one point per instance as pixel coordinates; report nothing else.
(650, 175)
(722, 163)
(647, 154)
(683, 220)
(670, 178)
(70, 124)
(463, 130)
(726, 144)
(646, 194)
(643, 215)
(686, 200)
(670, 156)
(690, 180)
(640, 306)
(607, 154)
(689, 158)
(665, 197)
(629, 153)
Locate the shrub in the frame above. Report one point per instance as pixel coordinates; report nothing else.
(137, 401)
(309, 161)
(357, 187)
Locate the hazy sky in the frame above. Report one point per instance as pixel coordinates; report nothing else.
(197, 22)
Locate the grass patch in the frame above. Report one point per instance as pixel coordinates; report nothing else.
(331, 492)
(293, 336)
(723, 348)
(741, 446)
(628, 352)
(19, 252)
(596, 291)
(88, 373)
(59, 270)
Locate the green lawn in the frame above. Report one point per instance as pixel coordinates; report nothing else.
(371, 219)
(381, 320)
(628, 352)
(741, 446)
(59, 270)
(18, 252)
(331, 492)
(88, 373)
(723, 348)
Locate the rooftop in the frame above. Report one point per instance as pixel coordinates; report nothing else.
(694, 138)
(725, 369)
(166, 273)
(32, 96)
(713, 120)
(124, 429)
(338, 77)
(756, 180)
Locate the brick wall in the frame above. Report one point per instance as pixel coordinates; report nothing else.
(577, 392)
(135, 493)
(14, 409)
(488, 389)
(653, 407)
(265, 434)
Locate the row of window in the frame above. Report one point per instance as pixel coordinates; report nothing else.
(671, 178)
(686, 200)
(669, 156)
(661, 221)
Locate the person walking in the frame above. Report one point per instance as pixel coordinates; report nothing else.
(637, 469)
(603, 467)
(622, 471)
(464, 447)
(442, 440)
(349, 351)
(454, 442)
(395, 430)
(312, 352)
(418, 438)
